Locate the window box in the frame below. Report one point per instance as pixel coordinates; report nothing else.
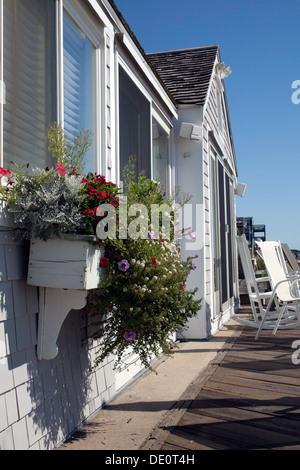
(64, 269)
(71, 262)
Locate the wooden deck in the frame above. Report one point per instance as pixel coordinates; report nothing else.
(249, 399)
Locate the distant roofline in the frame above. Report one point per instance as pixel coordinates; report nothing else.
(185, 49)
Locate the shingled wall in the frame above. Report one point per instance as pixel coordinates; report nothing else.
(41, 402)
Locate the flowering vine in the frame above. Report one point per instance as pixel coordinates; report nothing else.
(143, 299)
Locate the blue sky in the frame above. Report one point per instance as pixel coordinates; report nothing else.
(260, 41)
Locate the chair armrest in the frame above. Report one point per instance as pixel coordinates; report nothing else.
(295, 290)
(262, 279)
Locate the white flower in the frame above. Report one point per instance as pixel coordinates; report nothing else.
(133, 261)
(125, 289)
(131, 309)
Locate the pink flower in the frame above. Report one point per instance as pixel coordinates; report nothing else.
(153, 262)
(4, 172)
(61, 169)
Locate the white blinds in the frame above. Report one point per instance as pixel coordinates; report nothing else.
(78, 82)
(29, 68)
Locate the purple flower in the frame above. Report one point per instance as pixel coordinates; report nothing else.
(151, 235)
(130, 335)
(123, 265)
(193, 267)
(191, 234)
(195, 256)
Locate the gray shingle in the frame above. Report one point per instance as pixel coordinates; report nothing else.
(186, 72)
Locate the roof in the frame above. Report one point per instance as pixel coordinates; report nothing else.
(186, 72)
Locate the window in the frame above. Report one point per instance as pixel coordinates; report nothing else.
(29, 77)
(134, 125)
(160, 155)
(78, 66)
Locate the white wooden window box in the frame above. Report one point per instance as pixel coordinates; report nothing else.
(64, 269)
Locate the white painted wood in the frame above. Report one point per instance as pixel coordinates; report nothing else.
(65, 263)
(54, 306)
(64, 269)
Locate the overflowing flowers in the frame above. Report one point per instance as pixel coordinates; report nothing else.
(143, 298)
(60, 200)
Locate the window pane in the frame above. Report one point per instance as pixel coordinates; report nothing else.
(29, 76)
(160, 155)
(134, 126)
(78, 83)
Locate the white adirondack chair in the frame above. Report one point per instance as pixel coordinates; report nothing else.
(256, 297)
(285, 288)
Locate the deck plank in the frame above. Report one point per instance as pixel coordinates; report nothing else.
(250, 400)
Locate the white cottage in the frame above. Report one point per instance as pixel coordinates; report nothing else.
(204, 165)
(77, 62)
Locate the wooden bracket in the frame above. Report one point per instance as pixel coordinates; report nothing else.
(54, 306)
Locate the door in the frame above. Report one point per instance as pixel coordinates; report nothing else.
(221, 235)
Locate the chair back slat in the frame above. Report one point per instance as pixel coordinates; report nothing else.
(274, 261)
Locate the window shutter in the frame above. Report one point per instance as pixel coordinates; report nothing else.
(29, 70)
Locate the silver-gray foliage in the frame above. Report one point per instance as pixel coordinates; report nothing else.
(48, 209)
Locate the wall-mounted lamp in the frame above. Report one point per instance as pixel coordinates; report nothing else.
(240, 189)
(190, 131)
(223, 70)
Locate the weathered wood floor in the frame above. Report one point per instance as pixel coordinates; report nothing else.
(250, 401)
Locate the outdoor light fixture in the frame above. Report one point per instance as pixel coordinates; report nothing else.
(223, 70)
(240, 189)
(190, 131)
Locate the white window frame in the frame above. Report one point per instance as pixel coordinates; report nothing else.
(167, 129)
(97, 40)
(154, 114)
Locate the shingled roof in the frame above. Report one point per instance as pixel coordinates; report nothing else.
(186, 72)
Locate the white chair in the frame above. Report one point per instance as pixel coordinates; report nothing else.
(257, 298)
(285, 288)
(291, 262)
